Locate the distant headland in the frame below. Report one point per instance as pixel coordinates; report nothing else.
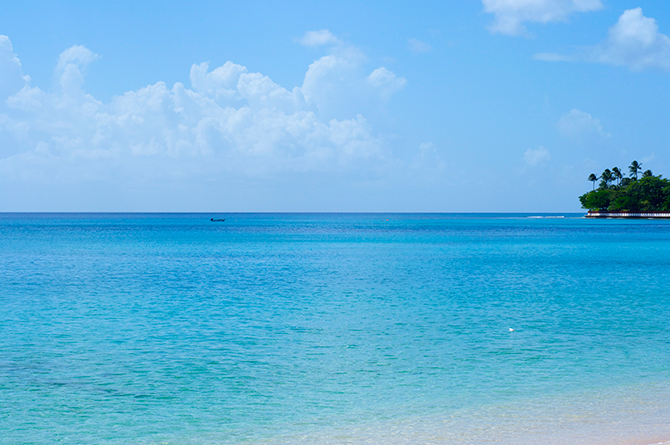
(634, 196)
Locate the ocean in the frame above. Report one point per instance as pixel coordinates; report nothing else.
(333, 329)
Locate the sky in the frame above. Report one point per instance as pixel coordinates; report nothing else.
(302, 106)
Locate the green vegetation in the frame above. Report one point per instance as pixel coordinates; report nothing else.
(618, 193)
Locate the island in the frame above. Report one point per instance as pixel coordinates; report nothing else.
(634, 196)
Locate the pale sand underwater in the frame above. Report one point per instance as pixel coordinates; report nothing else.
(623, 416)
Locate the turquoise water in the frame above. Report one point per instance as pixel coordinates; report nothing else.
(309, 328)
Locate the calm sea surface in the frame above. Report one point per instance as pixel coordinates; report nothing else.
(331, 328)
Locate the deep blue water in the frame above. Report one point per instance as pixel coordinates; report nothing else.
(169, 328)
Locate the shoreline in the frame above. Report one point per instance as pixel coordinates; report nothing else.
(628, 215)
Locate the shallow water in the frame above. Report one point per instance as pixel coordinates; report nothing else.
(317, 328)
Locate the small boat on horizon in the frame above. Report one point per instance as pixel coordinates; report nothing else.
(217, 220)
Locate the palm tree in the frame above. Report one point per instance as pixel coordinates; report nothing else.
(607, 177)
(593, 178)
(617, 174)
(634, 168)
(647, 174)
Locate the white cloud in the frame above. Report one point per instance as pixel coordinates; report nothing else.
(318, 38)
(538, 156)
(221, 81)
(553, 57)
(71, 63)
(230, 120)
(77, 55)
(11, 73)
(576, 124)
(337, 85)
(386, 82)
(634, 41)
(511, 14)
(417, 46)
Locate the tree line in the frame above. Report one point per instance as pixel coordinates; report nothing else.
(637, 192)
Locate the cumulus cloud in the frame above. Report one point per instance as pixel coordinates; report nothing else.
(228, 120)
(386, 82)
(11, 73)
(337, 84)
(318, 38)
(222, 80)
(70, 68)
(533, 157)
(576, 124)
(511, 14)
(634, 41)
(417, 46)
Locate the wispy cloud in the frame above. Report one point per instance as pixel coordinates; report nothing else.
(510, 15)
(534, 157)
(553, 57)
(318, 38)
(576, 124)
(417, 46)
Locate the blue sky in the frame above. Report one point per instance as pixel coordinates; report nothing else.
(479, 106)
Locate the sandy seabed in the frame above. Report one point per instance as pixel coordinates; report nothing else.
(623, 416)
